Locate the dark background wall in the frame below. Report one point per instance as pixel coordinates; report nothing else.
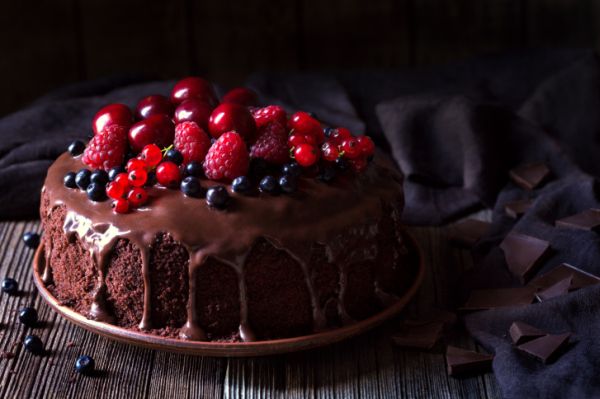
(48, 43)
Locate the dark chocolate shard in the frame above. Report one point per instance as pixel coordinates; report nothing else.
(531, 175)
(516, 209)
(499, 297)
(586, 220)
(579, 279)
(468, 232)
(422, 336)
(524, 254)
(522, 332)
(545, 348)
(463, 361)
(558, 289)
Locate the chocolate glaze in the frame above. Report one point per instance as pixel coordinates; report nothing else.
(342, 216)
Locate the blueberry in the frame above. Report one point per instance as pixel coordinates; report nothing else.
(287, 184)
(174, 156)
(96, 192)
(112, 174)
(10, 286)
(99, 176)
(69, 180)
(327, 131)
(76, 147)
(28, 316)
(217, 197)
(82, 179)
(191, 187)
(268, 184)
(33, 344)
(241, 185)
(85, 365)
(31, 239)
(150, 179)
(194, 169)
(292, 169)
(327, 174)
(341, 164)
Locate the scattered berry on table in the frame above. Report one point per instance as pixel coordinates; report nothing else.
(113, 172)
(28, 316)
(217, 197)
(85, 365)
(306, 155)
(167, 174)
(76, 148)
(242, 96)
(271, 113)
(287, 184)
(241, 185)
(268, 184)
(191, 141)
(153, 105)
(227, 158)
(193, 87)
(292, 169)
(191, 187)
(151, 154)
(10, 286)
(120, 205)
(99, 176)
(156, 129)
(232, 117)
(33, 344)
(174, 156)
(31, 239)
(194, 169)
(96, 192)
(111, 115)
(137, 177)
(194, 110)
(106, 149)
(69, 180)
(271, 144)
(82, 178)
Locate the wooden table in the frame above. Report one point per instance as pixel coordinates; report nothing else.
(365, 367)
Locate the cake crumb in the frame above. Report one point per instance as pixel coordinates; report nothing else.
(6, 355)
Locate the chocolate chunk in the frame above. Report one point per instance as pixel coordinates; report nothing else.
(531, 175)
(522, 332)
(579, 279)
(462, 361)
(545, 348)
(468, 232)
(495, 298)
(558, 289)
(422, 336)
(524, 254)
(586, 220)
(516, 209)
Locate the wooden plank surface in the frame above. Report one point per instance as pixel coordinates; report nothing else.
(365, 367)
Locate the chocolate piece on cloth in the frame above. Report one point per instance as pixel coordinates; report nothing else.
(579, 278)
(499, 297)
(467, 232)
(530, 176)
(464, 361)
(586, 220)
(516, 209)
(559, 288)
(524, 254)
(521, 332)
(545, 348)
(421, 336)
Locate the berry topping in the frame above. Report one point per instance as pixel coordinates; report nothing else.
(85, 365)
(294, 140)
(271, 113)
(227, 158)
(69, 180)
(191, 187)
(153, 105)
(193, 87)
(99, 176)
(120, 205)
(151, 154)
(287, 184)
(194, 110)
(136, 163)
(122, 180)
(28, 316)
(137, 177)
(167, 174)
(115, 190)
(10, 286)
(329, 151)
(172, 155)
(292, 169)
(76, 147)
(137, 197)
(82, 178)
(112, 174)
(112, 114)
(217, 197)
(156, 129)
(33, 344)
(303, 123)
(106, 149)
(194, 169)
(271, 144)
(338, 134)
(366, 146)
(96, 192)
(306, 155)
(31, 239)
(268, 184)
(191, 141)
(232, 117)
(350, 148)
(241, 185)
(242, 96)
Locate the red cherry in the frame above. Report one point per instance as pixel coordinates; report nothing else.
(153, 105)
(329, 151)
(242, 96)
(136, 163)
(306, 155)
(295, 140)
(358, 165)
(151, 154)
(302, 123)
(167, 174)
(137, 196)
(193, 87)
(366, 145)
(156, 129)
(121, 205)
(138, 177)
(350, 148)
(339, 134)
(115, 190)
(228, 117)
(112, 114)
(122, 180)
(194, 110)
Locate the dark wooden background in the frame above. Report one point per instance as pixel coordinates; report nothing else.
(48, 43)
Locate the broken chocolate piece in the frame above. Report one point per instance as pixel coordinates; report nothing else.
(522, 332)
(422, 336)
(558, 289)
(516, 209)
(586, 220)
(545, 348)
(524, 254)
(531, 175)
(468, 232)
(580, 278)
(495, 298)
(461, 361)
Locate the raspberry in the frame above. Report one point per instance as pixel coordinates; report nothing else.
(271, 113)
(227, 158)
(271, 144)
(106, 149)
(191, 141)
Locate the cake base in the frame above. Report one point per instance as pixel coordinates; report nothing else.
(231, 349)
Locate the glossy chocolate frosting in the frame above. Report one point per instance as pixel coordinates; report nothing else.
(341, 216)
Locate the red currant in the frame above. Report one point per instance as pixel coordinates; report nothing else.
(340, 134)
(167, 174)
(122, 180)
(114, 190)
(138, 177)
(350, 148)
(366, 145)
(151, 154)
(306, 155)
(303, 123)
(136, 163)
(358, 165)
(121, 205)
(295, 140)
(330, 151)
(137, 196)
